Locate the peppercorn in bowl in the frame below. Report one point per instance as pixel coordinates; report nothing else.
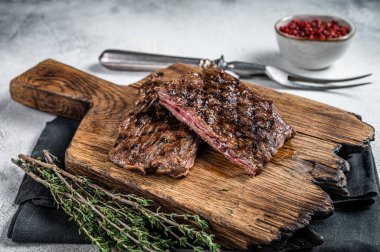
(313, 41)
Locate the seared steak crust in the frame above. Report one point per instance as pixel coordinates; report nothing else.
(152, 140)
(229, 116)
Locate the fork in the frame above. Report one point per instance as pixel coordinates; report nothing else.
(138, 61)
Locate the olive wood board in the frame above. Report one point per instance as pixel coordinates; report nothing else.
(241, 210)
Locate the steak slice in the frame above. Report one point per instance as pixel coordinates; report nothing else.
(245, 127)
(152, 140)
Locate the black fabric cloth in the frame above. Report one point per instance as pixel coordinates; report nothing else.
(37, 220)
(361, 181)
(355, 225)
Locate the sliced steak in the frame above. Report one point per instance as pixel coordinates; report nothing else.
(244, 126)
(152, 140)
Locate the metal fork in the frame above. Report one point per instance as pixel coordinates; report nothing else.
(137, 61)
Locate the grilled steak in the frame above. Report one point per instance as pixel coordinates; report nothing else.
(152, 140)
(245, 127)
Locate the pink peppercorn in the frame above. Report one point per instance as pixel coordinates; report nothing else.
(315, 29)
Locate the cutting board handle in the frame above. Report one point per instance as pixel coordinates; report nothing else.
(56, 88)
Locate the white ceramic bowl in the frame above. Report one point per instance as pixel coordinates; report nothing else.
(312, 54)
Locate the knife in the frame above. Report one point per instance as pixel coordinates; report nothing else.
(138, 61)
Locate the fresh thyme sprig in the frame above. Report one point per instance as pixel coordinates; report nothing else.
(113, 220)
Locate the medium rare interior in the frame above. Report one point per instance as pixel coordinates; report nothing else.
(203, 131)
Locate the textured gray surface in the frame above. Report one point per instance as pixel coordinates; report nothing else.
(75, 32)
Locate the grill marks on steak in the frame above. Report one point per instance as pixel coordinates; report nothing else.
(151, 139)
(237, 122)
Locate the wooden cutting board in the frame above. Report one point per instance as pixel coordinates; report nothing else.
(240, 209)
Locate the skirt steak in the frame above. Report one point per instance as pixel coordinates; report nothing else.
(244, 126)
(151, 139)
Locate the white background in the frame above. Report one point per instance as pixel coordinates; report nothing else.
(76, 32)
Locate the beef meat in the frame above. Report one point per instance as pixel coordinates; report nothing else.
(244, 126)
(151, 139)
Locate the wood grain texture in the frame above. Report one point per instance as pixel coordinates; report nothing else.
(240, 209)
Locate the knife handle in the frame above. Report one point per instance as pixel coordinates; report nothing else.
(138, 61)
